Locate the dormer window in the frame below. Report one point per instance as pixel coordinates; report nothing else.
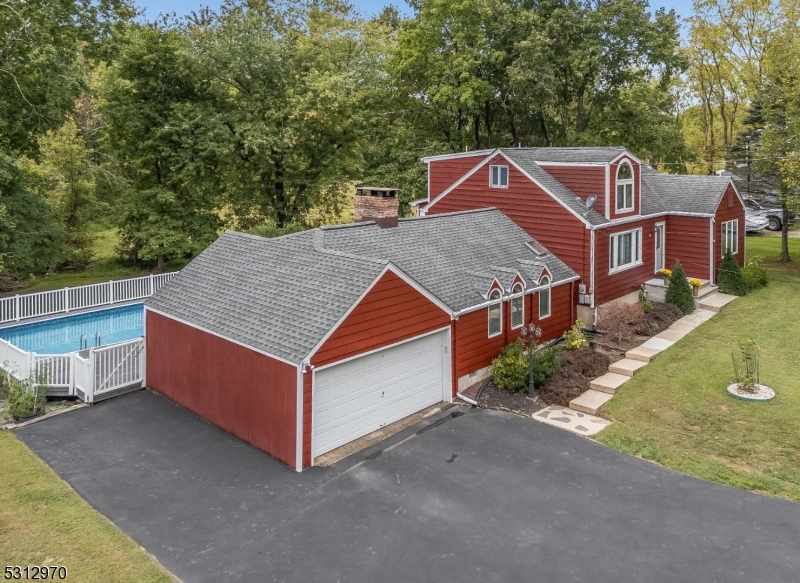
(544, 298)
(495, 313)
(624, 188)
(517, 306)
(498, 176)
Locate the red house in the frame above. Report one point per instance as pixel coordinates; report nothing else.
(607, 215)
(302, 343)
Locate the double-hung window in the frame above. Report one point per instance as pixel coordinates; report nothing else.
(495, 314)
(625, 250)
(544, 298)
(517, 307)
(624, 188)
(730, 237)
(498, 176)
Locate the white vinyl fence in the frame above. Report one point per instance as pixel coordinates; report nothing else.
(22, 306)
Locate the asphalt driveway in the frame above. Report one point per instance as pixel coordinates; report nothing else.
(480, 497)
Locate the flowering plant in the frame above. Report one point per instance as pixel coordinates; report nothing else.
(695, 282)
(665, 272)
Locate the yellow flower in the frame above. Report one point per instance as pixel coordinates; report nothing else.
(695, 282)
(666, 272)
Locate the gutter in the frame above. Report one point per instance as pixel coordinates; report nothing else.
(505, 298)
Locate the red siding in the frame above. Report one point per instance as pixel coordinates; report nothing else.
(528, 206)
(476, 350)
(392, 311)
(636, 190)
(729, 208)
(687, 240)
(609, 287)
(243, 392)
(443, 173)
(583, 180)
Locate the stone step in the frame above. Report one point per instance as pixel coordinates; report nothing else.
(643, 353)
(571, 420)
(627, 367)
(705, 290)
(715, 302)
(590, 401)
(609, 382)
(699, 316)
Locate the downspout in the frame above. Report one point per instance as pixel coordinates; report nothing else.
(454, 356)
(572, 302)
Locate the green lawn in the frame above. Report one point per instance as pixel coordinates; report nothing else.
(676, 411)
(44, 522)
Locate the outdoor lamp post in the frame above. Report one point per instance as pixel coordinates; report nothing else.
(531, 334)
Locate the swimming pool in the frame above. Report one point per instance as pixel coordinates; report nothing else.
(63, 335)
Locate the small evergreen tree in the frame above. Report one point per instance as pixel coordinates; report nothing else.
(679, 291)
(730, 277)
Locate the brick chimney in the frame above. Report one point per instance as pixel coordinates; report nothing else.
(377, 204)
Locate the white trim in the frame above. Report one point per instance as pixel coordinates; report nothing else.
(546, 190)
(608, 192)
(492, 286)
(663, 226)
(399, 273)
(593, 260)
(635, 252)
(626, 220)
(455, 155)
(549, 288)
(299, 420)
(723, 237)
(711, 264)
(499, 176)
(628, 154)
(493, 303)
(540, 163)
(529, 291)
(428, 164)
(242, 344)
(447, 373)
(461, 180)
(517, 295)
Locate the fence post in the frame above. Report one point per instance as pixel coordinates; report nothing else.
(111, 292)
(72, 374)
(152, 291)
(16, 306)
(66, 299)
(88, 391)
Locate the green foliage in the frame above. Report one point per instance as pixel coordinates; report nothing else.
(730, 278)
(745, 365)
(270, 229)
(647, 306)
(545, 364)
(574, 338)
(510, 369)
(679, 292)
(754, 277)
(27, 396)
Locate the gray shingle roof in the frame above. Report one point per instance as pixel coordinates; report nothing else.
(584, 155)
(681, 192)
(282, 295)
(526, 159)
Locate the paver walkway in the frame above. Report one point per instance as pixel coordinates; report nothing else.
(575, 421)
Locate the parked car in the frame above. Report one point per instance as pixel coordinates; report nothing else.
(774, 216)
(754, 223)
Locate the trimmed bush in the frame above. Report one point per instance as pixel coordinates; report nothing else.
(647, 306)
(574, 338)
(754, 277)
(545, 365)
(510, 369)
(730, 278)
(679, 292)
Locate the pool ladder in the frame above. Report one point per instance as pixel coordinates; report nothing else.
(85, 341)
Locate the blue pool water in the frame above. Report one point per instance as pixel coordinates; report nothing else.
(63, 334)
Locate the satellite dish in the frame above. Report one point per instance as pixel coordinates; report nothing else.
(590, 200)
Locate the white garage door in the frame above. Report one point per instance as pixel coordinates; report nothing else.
(364, 394)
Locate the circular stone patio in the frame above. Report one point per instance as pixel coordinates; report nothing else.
(762, 393)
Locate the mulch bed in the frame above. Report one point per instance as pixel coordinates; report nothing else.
(577, 368)
(494, 398)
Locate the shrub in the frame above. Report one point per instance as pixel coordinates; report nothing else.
(647, 306)
(27, 396)
(545, 364)
(745, 365)
(622, 321)
(754, 277)
(679, 292)
(510, 369)
(730, 279)
(574, 338)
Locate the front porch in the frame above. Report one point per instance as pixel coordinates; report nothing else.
(707, 295)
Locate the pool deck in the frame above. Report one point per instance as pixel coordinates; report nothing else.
(70, 313)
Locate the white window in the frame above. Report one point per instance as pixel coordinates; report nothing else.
(730, 236)
(544, 298)
(624, 188)
(625, 250)
(498, 176)
(517, 307)
(495, 314)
